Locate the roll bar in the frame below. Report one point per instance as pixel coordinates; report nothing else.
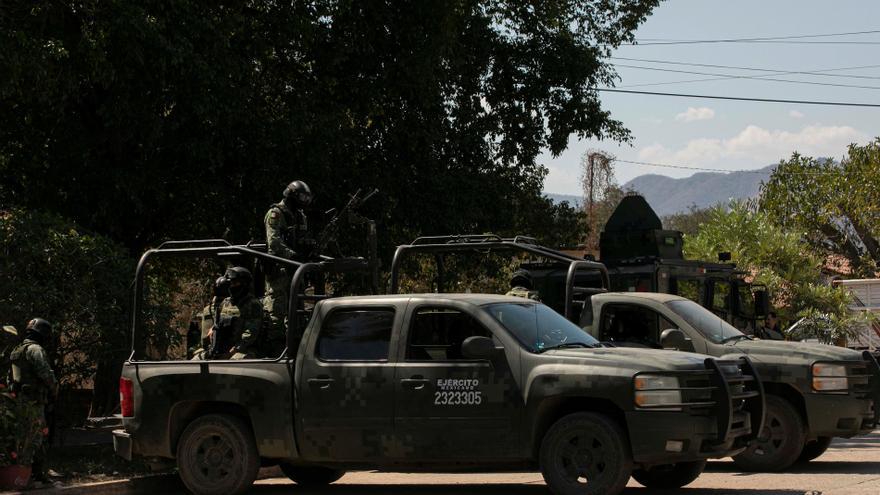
(206, 248)
(492, 242)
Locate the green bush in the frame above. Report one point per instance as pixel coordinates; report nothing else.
(77, 280)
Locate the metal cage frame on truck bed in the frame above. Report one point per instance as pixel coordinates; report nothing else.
(219, 249)
(491, 242)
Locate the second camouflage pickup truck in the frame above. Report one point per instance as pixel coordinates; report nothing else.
(442, 382)
(815, 392)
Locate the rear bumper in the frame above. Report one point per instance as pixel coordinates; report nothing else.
(122, 444)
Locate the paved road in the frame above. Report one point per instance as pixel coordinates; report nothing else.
(849, 467)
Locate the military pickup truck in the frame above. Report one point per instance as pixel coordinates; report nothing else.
(442, 382)
(814, 392)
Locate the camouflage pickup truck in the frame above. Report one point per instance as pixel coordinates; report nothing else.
(814, 392)
(442, 382)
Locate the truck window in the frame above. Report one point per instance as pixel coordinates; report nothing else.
(704, 321)
(538, 327)
(436, 334)
(355, 335)
(689, 288)
(720, 296)
(633, 326)
(745, 302)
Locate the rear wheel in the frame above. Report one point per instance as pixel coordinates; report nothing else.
(217, 455)
(585, 454)
(780, 442)
(669, 475)
(814, 449)
(311, 475)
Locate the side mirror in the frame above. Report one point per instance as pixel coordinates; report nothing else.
(477, 347)
(673, 338)
(762, 303)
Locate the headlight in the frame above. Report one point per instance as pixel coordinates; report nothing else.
(652, 391)
(830, 378)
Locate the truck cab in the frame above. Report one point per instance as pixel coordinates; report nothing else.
(815, 392)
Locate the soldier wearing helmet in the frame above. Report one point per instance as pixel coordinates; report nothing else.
(238, 321)
(287, 236)
(521, 285)
(34, 381)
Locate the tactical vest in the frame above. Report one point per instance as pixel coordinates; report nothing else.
(24, 379)
(296, 226)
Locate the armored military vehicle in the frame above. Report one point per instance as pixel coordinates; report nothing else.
(815, 392)
(435, 382)
(642, 256)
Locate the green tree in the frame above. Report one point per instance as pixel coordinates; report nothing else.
(145, 120)
(688, 222)
(835, 205)
(781, 259)
(77, 280)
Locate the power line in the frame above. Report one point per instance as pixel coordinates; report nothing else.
(760, 78)
(768, 38)
(741, 98)
(703, 169)
(816, 72)
(765, 39)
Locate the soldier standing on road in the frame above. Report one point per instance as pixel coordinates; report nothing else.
(287, 236)
(34, 381)
(239, 322)
(521, 286)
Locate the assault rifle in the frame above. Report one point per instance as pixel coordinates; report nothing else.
(330, 234)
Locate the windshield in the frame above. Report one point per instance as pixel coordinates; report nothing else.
(538, 327)
(706, 322)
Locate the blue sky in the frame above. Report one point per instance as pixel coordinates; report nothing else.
(732, 135)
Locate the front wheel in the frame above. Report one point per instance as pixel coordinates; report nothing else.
(311, 475)
(814, 449)
(585, 454)
(217, 455)
(670, 476)
(780, 442)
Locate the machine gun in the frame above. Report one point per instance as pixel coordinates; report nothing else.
(330, 234)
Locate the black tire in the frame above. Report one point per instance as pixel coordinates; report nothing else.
(217, 455)
(585, 454)
(311, 475)
(814, 449)
(669, 475)
(779, 443)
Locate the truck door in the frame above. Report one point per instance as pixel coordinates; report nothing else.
(345, 389)
(447, 406)
(634, 325)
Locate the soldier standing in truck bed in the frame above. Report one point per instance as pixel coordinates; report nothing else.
(287, 236)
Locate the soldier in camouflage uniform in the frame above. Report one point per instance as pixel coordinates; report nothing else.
(33, 380)
(521, 285)
(287, 236)
(238, 325)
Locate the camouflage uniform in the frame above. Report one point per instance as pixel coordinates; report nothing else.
(287, 236)
(240, 324)
(34, 381)
(519, 291)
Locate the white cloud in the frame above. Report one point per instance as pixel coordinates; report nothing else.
(692, 114)
(795, 114)
(755, 147)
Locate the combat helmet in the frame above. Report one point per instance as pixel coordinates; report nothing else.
(297, 194)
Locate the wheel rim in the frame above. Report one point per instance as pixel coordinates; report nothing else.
(213, 458)
(772, 439)
(582, 458)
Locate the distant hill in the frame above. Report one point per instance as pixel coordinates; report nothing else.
(667, 195)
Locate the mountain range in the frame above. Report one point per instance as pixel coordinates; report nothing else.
(668, 196)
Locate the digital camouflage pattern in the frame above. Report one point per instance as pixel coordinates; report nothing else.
(783, 366)
(397, 411)
(32, 373)
(239, 326)
(287, 236)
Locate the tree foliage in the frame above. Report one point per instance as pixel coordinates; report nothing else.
(836, 206)
(77, 280)
(145, 120)
(781, 259)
